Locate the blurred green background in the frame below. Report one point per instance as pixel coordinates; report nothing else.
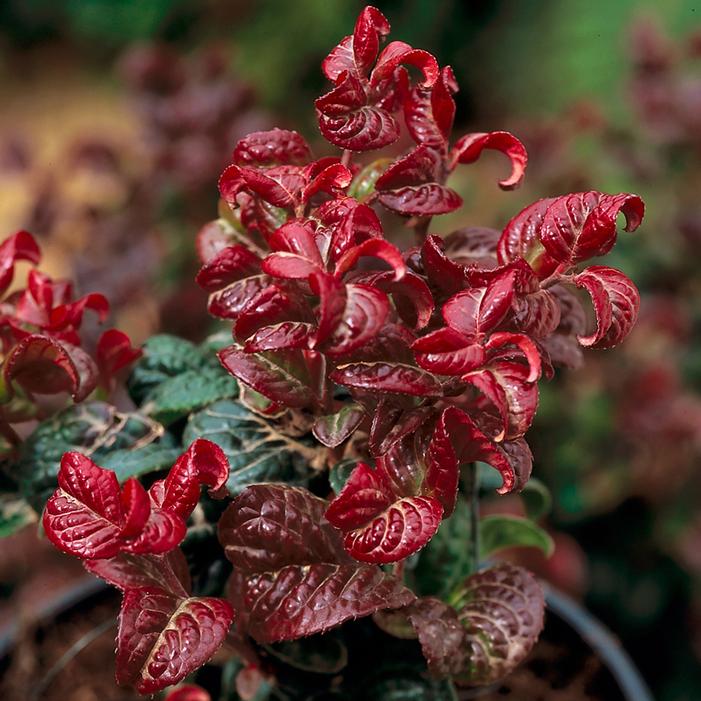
(117, 115)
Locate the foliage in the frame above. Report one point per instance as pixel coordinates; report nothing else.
(411, 365)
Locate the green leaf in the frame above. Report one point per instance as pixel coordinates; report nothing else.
(339, 474)
(499, 532)
(15, 514)
(165, 357)
(537, 499)
(536, 496)
(193, 389)
(364, 183)
(93, 428)
(128, 463)
(445, 561)
(257, 450)
(325, 654)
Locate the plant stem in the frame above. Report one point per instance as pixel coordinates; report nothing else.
(472, 494)
(346, 157)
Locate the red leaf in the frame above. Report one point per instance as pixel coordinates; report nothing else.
(469, 148)
(512, 459)
(114, 352)
(429, 113)
(203, 463)
(385, 513)
(375, 248)
(270, 306)
(230, 301)
(397, 53)
(356, 54)
(269, 148)
(616, 303)
(427, 199)
(278, 376)
(45, 365)
(562, 231)
(412, 297)
(126, 571)
(388, 377)
(413, 185)
(448, 352)
(280, 186)
(473, 245)
(211, 239)
(332, 180)
(19, 246)
(136, 508)
(85, 516)
(348, 120)
(443, 273)
(163, 637)
(283, 550)
(287, 334)
(477, 311)
(229, 265)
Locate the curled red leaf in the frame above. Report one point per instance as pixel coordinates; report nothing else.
(468, 149)
(616, 303)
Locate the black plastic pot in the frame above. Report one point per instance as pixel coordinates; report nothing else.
(592, 633)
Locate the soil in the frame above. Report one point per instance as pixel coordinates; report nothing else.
(89, 676)
(561, 667)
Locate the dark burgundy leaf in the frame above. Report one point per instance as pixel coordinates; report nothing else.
(502, 611)
(448, 352)
(279, 376)
(125, 571)
(444, 641)
(287, 334)
(163, 637)
(429, 113)
(365, 312)
(283, 550)
(444, 274)
(388, 377)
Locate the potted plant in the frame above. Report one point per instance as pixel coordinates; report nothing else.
(370, 399)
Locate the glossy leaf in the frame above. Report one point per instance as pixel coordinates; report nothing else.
(193, 389)
(388, 377)
(162, 637)
(492, 602)
(188, 692)
(282, 549)
(93, 428)
(276, 376)
(45, 365)
(499, 532)
(562, 231)
(468, 149)
(257, 450)
(616, 303)
(269, 148)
